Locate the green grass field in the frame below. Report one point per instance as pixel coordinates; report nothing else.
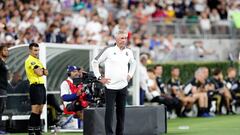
(220, 125)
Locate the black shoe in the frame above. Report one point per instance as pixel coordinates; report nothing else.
(38, 131)
(31, 131)
(231, 113)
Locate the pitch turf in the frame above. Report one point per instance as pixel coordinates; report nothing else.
(220, 125)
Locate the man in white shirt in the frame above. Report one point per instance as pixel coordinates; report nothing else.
(144, 77)
(117, 74)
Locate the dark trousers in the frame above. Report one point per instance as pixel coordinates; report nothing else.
(142, 96)
(74, 106)
(2, 107)
(119, 97)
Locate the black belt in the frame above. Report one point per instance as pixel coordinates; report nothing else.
(37, 83)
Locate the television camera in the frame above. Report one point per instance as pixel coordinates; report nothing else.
(92, 89)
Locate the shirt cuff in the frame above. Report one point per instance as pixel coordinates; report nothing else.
(130, 75)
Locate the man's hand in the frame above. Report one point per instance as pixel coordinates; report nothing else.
(38, 71)
(129, 78)
(45, 72)
(79, 92)
(104, 80)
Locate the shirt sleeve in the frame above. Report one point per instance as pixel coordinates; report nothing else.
(33, 65)
(187, 89)
(1, 64)
(133, 65)
(144, 78)
(101, 57)
(65, 89)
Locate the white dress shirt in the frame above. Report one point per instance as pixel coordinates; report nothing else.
(116, 66)
(154, 93)
(143, 77)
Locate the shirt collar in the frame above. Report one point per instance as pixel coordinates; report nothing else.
(119, 48)
(33, 57)
(70, 79)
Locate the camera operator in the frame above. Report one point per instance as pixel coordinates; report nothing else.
(70, 93)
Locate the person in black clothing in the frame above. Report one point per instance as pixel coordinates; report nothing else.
(173, 101)
(220, 88)
(154, 94)
(195, 88)
(3, 82)
(54, 111)
(232, 83)
(158, 71)
(175, 87)
(209, 88)
(50, 35)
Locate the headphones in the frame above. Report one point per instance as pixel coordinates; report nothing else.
(68, 73)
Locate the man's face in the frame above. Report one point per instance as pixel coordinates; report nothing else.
(220, 76)
(159, 70)
(74, 74)
(5, 52)
(144, 61)
(17, 77)
(151, 75)
(34, 51)
(121, 40)
(201, 78)
(232, 74)
(175, 72)
(80, 73)
(206, 73)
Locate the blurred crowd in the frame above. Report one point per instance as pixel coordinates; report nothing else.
(95, 22)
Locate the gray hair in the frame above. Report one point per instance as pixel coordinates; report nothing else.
(143, 56)
(199, 71)
(121, 31)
